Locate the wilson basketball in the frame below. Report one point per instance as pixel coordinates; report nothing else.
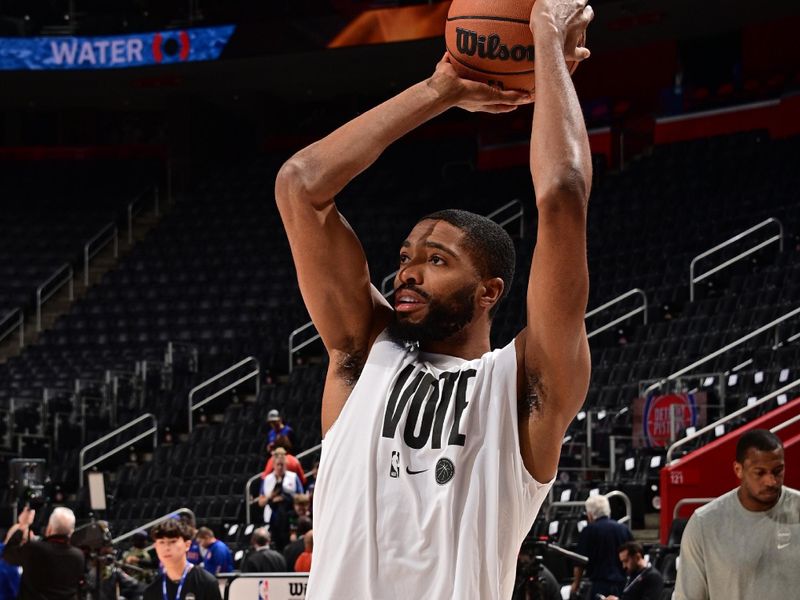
(491, 41)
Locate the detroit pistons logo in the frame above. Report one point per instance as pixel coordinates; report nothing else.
(491, 47)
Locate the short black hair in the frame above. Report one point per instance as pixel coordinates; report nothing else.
(762, 440)
(303, 525)
(632, 548)
(489, 245)
(171, 528)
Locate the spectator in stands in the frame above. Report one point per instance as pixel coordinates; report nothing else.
(51, 567)
(644, 581)
(195, 553)
(263, 559)
(302, 506)
(303, 562)
(311, 478)
(277, 493)
(217, 557)
(9, 578)
(600, 540)
(744, 544)
(136, 556)
(293, 550)
(277, 427)
(179, 578)
(292, 464)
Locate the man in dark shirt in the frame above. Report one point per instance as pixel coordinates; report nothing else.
(297, 547)
(644, 581)
(263, 559)
(600, 540)
(179, 577)
(52, 568)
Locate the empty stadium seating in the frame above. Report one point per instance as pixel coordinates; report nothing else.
(216, 275)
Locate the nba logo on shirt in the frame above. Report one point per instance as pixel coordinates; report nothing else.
(394, 468)
(263, 590)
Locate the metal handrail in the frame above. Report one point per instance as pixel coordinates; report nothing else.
(152, 523)
(88, 255)
(248, 499)
(684, 501)
(612, 494)
(724, 349)
(785, 424)
(300, 346)
(518, 215)
(388, 279)
(777, 238)
(81, 456)
(40, 301)
(136, 201)
(207, 382)
(20, 324)
(685, 440)
(617, 300)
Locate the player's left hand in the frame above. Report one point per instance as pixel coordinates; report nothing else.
(567, 19)
(474, 96)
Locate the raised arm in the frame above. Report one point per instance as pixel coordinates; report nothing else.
(346, 309)
(553, 351)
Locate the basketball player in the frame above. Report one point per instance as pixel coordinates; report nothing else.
(437, 451)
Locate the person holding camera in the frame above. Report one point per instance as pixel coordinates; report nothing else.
(52, 569)
(277, 493)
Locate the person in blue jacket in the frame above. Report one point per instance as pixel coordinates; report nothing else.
(9, 578)
(217, 557)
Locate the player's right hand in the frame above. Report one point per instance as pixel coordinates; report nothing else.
(473, 96)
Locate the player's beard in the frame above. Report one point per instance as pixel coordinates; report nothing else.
(444, 318)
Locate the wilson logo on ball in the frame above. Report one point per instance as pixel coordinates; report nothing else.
(490, 47)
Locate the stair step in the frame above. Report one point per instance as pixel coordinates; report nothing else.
(60, 304)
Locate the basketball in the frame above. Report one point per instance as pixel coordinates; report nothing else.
(492, 42)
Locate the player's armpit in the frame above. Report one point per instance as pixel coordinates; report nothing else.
(551, 390)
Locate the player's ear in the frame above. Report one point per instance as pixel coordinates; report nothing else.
(491, 290)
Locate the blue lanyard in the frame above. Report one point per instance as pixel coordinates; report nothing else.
(180, 585)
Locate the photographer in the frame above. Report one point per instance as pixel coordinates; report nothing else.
(534, 580)
(138, 559)
(114, 582)
(52, 568)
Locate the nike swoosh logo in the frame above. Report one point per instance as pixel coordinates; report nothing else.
(410, 472)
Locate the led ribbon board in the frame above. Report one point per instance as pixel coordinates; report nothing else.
(114, 52)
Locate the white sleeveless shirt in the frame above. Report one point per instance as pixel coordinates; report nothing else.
(421, 491)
